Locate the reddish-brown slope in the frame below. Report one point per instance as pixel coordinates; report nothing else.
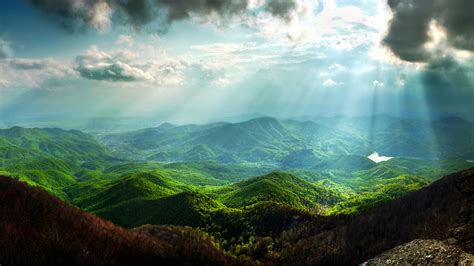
(38, 229)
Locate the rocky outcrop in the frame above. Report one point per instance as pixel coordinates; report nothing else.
(424, 252)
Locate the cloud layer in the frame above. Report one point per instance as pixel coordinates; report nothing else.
(99, 14)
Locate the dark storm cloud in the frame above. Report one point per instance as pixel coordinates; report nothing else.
(72, 15)
(136, 12)
(408, 30)
(280, 8)
(447, 81)
(79, 14)
(181, 9)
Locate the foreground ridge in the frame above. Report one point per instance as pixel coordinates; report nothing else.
(444, 210)
(38, 229)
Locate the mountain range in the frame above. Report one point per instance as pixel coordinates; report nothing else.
(307, 143)
(248, 190)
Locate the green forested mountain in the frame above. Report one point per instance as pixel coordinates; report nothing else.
(129, 187)
(295, 143)
(278, 187)
(323, 173)
(49, 157)
(73, 145)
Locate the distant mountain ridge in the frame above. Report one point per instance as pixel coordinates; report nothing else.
(59, 143)
(49, 157)
(271, 140)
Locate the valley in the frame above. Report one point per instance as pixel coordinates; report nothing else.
(226, 180)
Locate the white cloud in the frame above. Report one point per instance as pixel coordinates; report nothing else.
(400, 82)
(32, 64)
(146, 65)
(125, 40)
(377, 84)
(330, 83)
(4, 83)
(221, 82)
(98, 65)
(339, 27)
(30, 73)
(151, 65)
(336, 67)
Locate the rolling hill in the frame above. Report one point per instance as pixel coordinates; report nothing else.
(184, 208)
(51, 158)
(72, 145)
(142, 186)
(277, 187)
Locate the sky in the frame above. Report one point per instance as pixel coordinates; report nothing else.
(201, 61)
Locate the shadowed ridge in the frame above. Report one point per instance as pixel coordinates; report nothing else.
(38, 229)
(440, 211)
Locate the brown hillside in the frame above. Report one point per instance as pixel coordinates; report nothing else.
(38, 229)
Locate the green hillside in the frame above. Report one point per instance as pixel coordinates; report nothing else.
(277, 187)
(129, 187)
(64, 144)
(381, 191)
(46, 172)
(9, 151)
(51, 158)
(185, 208)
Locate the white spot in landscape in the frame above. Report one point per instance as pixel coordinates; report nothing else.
(377, 158)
